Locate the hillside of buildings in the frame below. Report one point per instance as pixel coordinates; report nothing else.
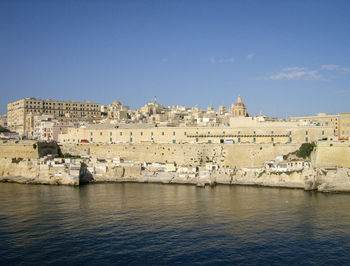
(173, 144)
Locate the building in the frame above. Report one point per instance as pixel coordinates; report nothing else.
(320, 119)
(116, 111)
(239, 108)
(3, 120)
(344, 126)
(252, 132)
(21, 113)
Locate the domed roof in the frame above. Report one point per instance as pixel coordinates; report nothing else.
(116, 103)
(240, 104)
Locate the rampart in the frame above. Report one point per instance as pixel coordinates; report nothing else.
(327, 154)
(231, 155)
(332, 154)
(29, 149)
(19, 149)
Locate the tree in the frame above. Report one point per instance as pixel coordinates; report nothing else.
(305, 150)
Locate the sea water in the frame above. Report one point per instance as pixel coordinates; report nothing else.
(138, 224)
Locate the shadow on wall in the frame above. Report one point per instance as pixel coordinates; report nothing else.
(47, 148)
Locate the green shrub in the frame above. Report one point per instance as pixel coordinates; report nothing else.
(305, 150)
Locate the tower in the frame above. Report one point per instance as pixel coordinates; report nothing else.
(239, 108)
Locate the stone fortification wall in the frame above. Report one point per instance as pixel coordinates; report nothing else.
(28, 172)
(26, 149)
(18, 149)
(255, 155)
(332, 154)
(231, 155)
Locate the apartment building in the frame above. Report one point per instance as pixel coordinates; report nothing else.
(266, 132)
(344, 125)
(21, 114)
(320, 119)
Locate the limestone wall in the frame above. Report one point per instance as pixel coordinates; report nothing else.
(332, 154)
(26, 149)
(254, 155)
(231, 155)
(18, 149)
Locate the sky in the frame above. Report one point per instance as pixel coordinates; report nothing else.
(285, 58)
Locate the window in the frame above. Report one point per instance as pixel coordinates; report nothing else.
(100, 133)
(121, 133)
(306, 132)
(110, 133)
(185, 133)
(141, 133)
(306, 139)
(272, 139)
(174, 133)
(162, 133)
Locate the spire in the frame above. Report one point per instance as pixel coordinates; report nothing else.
(239, 99)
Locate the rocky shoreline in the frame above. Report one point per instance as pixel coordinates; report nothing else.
(322, 180)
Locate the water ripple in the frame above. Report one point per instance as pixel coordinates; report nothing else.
(171, 224)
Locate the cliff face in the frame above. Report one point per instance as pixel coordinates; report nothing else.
(320, 179)
(27, 172)
(335, 180)
(111, 173)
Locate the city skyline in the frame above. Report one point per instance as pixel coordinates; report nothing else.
(284, 58)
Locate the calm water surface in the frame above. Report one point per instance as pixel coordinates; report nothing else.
(171, 224)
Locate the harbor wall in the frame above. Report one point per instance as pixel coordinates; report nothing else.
(18, 149)
(28, 149)
(332, 154)
(327, 154)
(231, 155)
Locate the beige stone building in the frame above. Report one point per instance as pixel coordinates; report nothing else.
(21, 113)
(117, 111)
(3, 120)
(320, 119)
(344, 126)
(251, 132)
(238, 108)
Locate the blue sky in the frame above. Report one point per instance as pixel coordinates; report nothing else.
(283, 57)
